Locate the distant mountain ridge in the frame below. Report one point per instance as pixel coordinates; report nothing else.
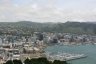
(68, 27)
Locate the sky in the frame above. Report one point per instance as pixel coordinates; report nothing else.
(47, 10)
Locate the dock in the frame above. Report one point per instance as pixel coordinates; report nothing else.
(65, 57)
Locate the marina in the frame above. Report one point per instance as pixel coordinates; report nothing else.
(64, 56)
(88, 50)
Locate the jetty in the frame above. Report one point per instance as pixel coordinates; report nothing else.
(65, 56)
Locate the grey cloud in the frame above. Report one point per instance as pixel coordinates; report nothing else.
(47, 13)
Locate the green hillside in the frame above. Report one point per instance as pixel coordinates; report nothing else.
(30, 27)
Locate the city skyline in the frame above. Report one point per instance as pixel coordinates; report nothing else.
(47, 10)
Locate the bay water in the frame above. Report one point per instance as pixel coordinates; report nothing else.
(88, 49)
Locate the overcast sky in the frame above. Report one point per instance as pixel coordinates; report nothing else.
(47, 10)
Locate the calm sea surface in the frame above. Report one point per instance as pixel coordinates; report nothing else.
(89, 50)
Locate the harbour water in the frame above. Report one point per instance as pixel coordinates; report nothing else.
(88, 49)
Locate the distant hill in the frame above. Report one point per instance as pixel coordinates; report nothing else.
(30, 27)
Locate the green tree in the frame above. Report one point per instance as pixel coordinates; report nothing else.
(17, 62)
(27, 61)
(9, 62)
(59, 62)
(44, 61)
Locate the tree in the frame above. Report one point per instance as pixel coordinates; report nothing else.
(43, 60)
(9, 62)
(27, 61)
(17, 62)
(59, 62)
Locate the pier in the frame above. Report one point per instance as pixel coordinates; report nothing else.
(65, 56)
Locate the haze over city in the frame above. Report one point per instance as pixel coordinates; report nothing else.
(47, 31)
(47, 10)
